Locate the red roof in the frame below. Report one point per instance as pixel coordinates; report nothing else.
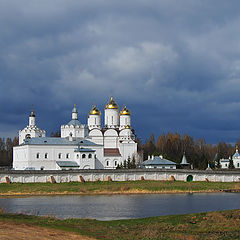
(112, 152)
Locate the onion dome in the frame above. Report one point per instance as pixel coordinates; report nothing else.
(74, 109)
(111, 104)
(127, 126)
(95, 111)
(125, 111)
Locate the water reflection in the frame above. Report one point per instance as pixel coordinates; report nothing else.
(109, 207)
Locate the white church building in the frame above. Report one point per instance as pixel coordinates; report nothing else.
(80, 146)
(235, 158)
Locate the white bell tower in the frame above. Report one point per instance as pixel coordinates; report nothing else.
(31, 130)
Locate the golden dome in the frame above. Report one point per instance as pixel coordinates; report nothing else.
(125, 111)
(127, 126)
(111, 104)
(95, 111)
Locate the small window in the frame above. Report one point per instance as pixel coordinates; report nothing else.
(107, 163)
(68, 155)
(77, 156)
(59, 155)
(115, 163)
(38, 155)
(226, 165)
(90, 155)
(238, 165)
(84, 156)
(46, 155)
(42, 168)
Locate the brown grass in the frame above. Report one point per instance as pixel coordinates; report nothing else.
(11, 230)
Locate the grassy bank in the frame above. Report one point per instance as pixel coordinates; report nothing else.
(113, 187)
(212, 225)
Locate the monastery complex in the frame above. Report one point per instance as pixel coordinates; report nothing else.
(81, 146)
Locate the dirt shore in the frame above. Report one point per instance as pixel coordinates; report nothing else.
(11, 230)
(27, 194)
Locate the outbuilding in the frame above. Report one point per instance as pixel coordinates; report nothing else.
(158, 162)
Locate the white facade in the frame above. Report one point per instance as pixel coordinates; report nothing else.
(31, 130)
(235, 158)
(80, 146)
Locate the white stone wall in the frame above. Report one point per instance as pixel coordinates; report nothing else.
(39, 156)
(111, 119)
(80, 131)
(124, 121)
(128, 149)
(118, 175)
(94, 121)
(32, 131)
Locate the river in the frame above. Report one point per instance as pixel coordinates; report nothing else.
(113, 207)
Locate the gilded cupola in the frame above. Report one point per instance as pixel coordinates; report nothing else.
(95, 111)
(32, 113)
(125, 111)
(111, 104)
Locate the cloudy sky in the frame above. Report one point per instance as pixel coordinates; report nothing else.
(176, 64)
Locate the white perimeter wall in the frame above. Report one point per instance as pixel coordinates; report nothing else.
(117, 175)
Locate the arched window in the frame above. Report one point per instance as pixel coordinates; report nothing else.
(46, 155)
(84, 156)
(238, 165)
(107, 163)
(38, 155)
(115, 163)
(59, 155)
(68, 155)
(77, 156)
(28, 136)
(89, 155)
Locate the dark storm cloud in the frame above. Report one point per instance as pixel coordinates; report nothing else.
(175, 65)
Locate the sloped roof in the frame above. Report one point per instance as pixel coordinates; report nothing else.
(111, 152)
(57, 141)
(184, 160)
(74, 122)
(158, 161)
(67, 164)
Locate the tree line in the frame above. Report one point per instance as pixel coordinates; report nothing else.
(172, 146)
(6, 151)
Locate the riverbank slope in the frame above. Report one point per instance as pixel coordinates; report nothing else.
(211, 225)
(128, 187)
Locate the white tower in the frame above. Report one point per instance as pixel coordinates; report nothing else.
(31, 130)
(74, 129)
(111, 114)
(94, 118)
(31, 121)
(125, 118)
(74, 113)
